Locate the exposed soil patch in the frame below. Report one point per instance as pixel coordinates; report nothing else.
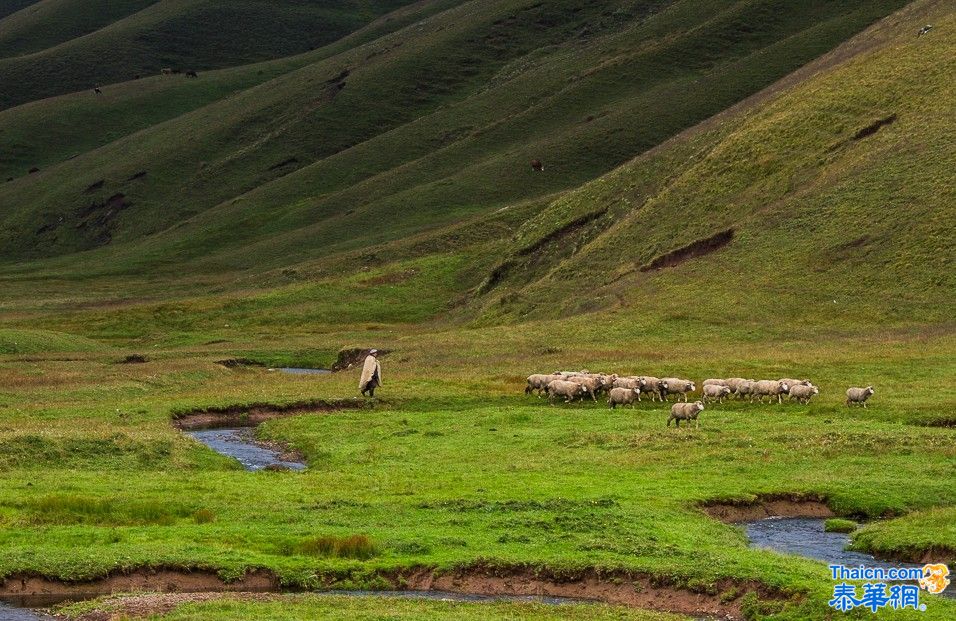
(722, 600)
(98, 218)
(564, 231)
(32, 590)
(932, 554)
(284, 163)
(353, 356)
(692, 250)
(95, 186)
(235, 363)
(246, 415)
(625, 588)
(134, 359)
(874, 127)
(765, 506)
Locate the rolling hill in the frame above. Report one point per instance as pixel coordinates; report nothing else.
(424, 127)
(54, 47)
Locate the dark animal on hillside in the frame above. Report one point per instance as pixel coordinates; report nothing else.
(925, 29)
(166, 71)
(191, 74)
(33, 170)
(136, 77)
(537, 166)
(177, 70)
(97, 91)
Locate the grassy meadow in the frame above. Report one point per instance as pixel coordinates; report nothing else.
(375, 192)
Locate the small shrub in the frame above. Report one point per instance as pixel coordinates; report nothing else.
(204, 516)
(353, 546)
(840, 525)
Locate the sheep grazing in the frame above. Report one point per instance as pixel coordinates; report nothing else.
(167, 71)
(537, 166)
(858, 395)
(685, 411)
(569, 390)
(769, 388)
(715, 391)
(192, 74)
(677, 386)
(803, 393)
(622, 396)
(715, 382)
(539, 383)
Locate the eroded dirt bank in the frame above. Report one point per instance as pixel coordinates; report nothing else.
(768, 506)
(721, 600)
(251, 414)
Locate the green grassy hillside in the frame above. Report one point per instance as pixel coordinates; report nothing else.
(49, 131)
(140, 37)
(810, 206)
(425, 127)
(51, 22)
(12, 6)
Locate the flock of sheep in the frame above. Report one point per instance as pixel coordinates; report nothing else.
(625, 390)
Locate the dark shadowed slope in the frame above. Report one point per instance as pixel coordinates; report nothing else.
(425, 127)
(179, 34)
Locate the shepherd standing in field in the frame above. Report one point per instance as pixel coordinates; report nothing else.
(371, 374)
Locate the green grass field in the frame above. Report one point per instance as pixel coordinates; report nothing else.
(806, 232)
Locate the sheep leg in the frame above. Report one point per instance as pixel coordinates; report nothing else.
(685, 397)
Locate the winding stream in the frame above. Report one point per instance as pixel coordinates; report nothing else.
(806, 537)
(239, 443)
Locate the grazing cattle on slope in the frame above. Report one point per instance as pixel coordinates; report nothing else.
(537, 166)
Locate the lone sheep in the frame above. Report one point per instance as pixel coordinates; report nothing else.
(685, 411)
(622, 396)
(858, 395)
(537, 166)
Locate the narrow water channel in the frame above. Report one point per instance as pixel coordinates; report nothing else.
(240, 443)
(807, 537)
(303, 371)
(8, 612)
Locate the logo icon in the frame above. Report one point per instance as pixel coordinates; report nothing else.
(935, 578)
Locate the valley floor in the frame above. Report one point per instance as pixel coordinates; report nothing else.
(454, 472)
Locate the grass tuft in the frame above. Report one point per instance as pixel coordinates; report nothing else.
(359, 547)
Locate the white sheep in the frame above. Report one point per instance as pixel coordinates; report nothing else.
(685, 411)
(858, 395)
(714, 391)
(569, 390)
(677, 386)
(803, 393)
(770, 388)
(622, 396)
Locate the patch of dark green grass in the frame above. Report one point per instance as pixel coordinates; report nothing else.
(80, 509)
(359, 547)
